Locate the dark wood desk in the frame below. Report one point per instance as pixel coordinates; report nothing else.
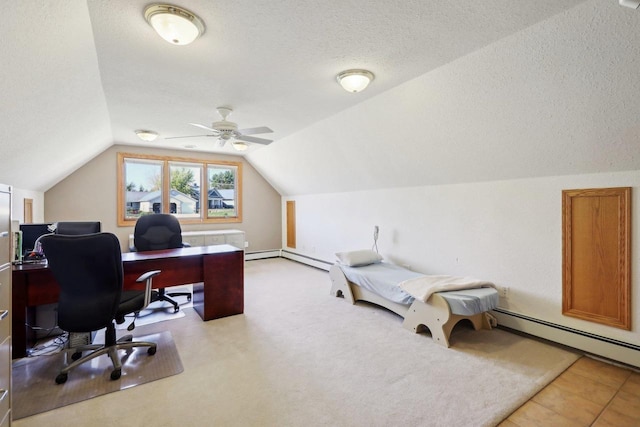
(216, 272)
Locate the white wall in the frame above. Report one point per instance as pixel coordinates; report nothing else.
(17, 207)
(508, 232)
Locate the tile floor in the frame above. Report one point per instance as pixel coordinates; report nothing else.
(589, 393)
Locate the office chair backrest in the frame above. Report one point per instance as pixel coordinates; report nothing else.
(157, 231)
(78, 227)
(88, 269)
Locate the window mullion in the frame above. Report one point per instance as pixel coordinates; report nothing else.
(166, 188)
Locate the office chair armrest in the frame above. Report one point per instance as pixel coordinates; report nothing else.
(148, 277)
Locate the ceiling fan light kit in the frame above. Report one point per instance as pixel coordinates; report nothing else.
(173, 23)
(355, 80)
(224, 130)
(240, 146)
(146, 135)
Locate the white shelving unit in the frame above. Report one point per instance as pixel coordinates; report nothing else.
(210, 237)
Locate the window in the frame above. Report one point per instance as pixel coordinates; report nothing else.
(184, 190)
(221, 198)
(193, 190)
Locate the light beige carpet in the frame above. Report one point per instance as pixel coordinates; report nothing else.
(300, 357)
(35, 390)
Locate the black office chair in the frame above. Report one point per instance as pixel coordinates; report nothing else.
(155, 232)
(78, 227)
(88, 269)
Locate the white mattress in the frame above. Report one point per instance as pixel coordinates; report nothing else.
(383, 279)
(471, 301)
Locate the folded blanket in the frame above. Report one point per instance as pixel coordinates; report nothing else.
(424, 286)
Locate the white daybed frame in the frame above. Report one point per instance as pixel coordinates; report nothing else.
(435, 314)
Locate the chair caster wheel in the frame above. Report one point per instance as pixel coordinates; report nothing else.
(189, 298)
(116, 373)
(176, 309)
(77, 355)
(61, 378)
(151, 351)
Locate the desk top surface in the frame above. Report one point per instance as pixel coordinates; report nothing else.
(148, 255)
(179, 252)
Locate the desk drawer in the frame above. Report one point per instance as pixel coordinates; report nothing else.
(236, 240)
(214, 239)
(5, 303)
(5, 376)
(5, 323)
(194, 240)
(5, 227)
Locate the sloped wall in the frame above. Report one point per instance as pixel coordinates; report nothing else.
(558, 98)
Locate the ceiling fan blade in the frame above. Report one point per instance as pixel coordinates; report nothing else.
(253, 131)
(254, 139)
(188, 136)
(203, 127)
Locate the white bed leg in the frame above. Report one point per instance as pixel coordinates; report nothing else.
(339, 284)
(477, 320)
(434, 315)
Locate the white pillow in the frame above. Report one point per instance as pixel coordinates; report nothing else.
(358, 258)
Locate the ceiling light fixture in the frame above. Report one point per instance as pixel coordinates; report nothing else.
(633, 4)
(174, 24)
(146, 135)
(355, 80)
(240, 145)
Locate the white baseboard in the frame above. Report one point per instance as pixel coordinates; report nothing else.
(314, 262)
(608, 348)
(250, 256)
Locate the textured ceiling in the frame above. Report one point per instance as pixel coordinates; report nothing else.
(557, 98)
(79, 76)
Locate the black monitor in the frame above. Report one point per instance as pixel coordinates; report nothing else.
(30, 233)
(78, 227)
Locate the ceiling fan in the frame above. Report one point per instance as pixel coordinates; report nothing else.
(225, 130)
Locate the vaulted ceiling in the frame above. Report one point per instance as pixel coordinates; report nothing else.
(464, 91)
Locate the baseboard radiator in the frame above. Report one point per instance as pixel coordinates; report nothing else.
(597, 345)
(273, 253)
(304, 259)
(283, 253)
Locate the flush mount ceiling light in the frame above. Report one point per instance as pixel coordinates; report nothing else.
(355, 80)
(146, 135)
(240, 146)
(633, 4)
(174, 24)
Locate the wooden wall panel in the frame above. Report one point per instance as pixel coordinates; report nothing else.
(596, 255)
(28, 211)
(291, 224)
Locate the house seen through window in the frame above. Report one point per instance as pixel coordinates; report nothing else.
(192, 190)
